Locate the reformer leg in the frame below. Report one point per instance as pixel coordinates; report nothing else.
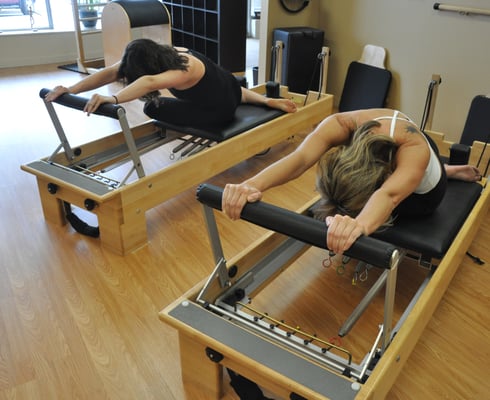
(122, 229)
(52, 206)
(199, 373)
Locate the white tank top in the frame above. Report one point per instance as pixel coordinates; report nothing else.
(433, 171)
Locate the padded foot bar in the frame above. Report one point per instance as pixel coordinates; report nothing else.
(301, 227)
(78, 103)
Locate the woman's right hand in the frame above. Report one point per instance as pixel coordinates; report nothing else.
(235, 196)
(55, 93)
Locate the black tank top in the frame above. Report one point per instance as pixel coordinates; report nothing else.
(218, 88)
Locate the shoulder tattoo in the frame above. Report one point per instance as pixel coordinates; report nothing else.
(411, 129)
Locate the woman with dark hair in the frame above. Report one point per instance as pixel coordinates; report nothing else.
(372, 166)
(204, 93)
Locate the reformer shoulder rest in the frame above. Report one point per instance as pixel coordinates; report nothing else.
(78, 103)
(247, 116)
(301, 227)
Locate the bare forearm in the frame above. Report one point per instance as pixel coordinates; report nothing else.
(94, 81)
(280, 172)
(376, 212)
(137, 89)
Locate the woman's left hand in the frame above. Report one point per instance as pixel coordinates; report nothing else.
(95, 101)
(342, 232)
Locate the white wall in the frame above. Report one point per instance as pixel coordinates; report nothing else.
(45, 48)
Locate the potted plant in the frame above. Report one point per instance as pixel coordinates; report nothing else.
(88, 13)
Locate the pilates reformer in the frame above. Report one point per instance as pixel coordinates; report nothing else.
(76, 174)
(217, 327)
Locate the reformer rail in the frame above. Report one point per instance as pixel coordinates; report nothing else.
(120, 206)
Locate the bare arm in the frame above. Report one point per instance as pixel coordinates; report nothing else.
(94, 81)
(334, 130)
(140, 87)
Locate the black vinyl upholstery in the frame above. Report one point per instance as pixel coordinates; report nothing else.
(247, 116)
(477, 125)
(476, 128)
(365, 86)
(432, 235)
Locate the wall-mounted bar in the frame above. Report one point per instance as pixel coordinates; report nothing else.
(461, 10)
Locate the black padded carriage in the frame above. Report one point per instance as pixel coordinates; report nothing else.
(247, 116)
(432, 235)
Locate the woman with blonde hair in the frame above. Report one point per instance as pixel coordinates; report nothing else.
(372, 166)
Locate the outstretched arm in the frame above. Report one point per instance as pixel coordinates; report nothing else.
(332, 131)
(93, 81)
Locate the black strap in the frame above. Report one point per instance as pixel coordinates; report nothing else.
(245, 388)
(79, 225)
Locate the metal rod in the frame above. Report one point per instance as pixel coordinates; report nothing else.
(364, 303)
(461, 10)
(213, 233)
(324, 358)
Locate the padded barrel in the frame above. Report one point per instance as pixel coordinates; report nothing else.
(300, 227)
(78, 103)
(432, 235)
(144, 12)
(247, 116)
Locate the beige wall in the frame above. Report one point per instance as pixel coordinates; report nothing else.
(420, 42)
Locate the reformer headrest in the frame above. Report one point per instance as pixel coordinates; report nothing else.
(78, 103)
(301, 227)
(247, 116)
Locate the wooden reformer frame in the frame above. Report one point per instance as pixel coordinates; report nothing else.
(66, 175)
(211, 338)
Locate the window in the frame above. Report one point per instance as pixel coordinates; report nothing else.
(35, 15)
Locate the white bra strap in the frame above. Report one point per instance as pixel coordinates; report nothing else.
(393, 123)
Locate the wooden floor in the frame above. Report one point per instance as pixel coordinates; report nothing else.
(78, 322)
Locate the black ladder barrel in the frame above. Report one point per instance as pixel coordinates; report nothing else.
(144, 12)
